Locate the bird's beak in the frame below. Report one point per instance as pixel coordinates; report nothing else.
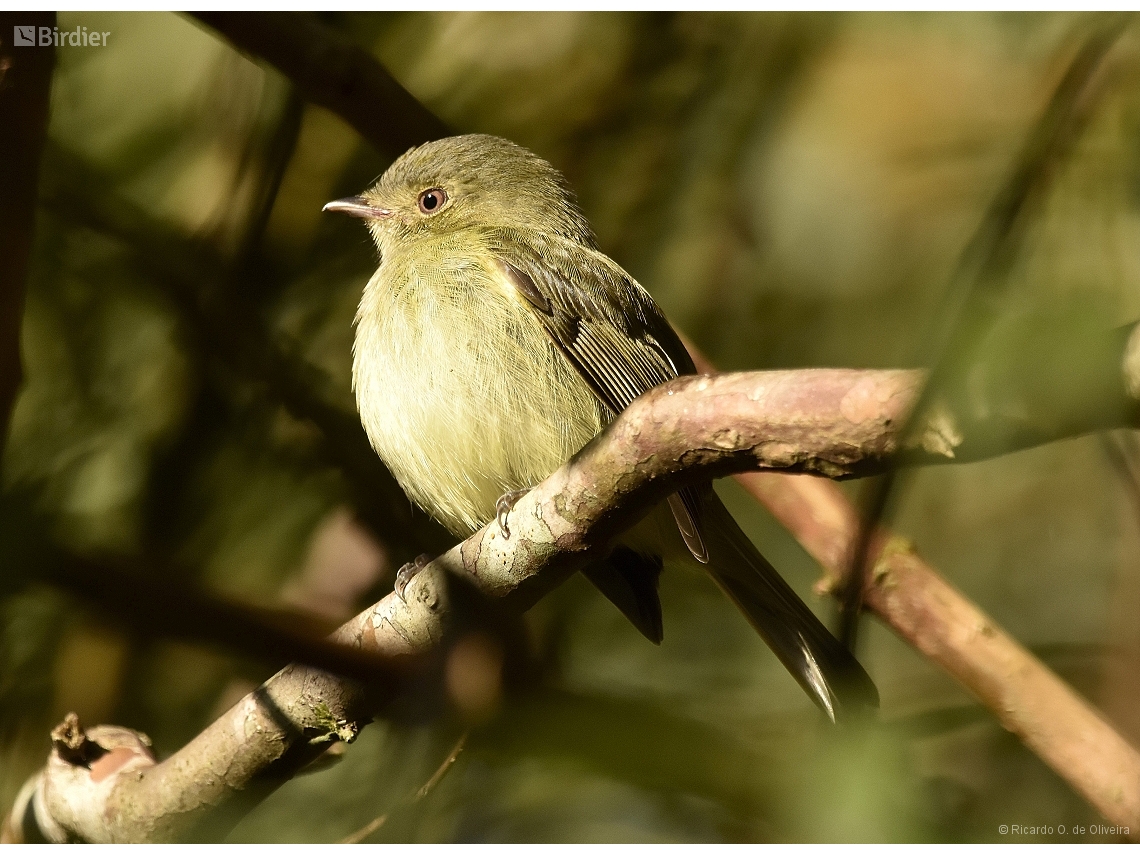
(357, 206)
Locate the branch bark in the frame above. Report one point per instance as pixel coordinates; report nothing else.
(835, 422)
(909, 595)
(923, 609)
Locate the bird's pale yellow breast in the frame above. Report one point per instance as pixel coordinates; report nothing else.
(483, 404)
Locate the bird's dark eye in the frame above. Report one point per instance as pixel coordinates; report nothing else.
(432, 200)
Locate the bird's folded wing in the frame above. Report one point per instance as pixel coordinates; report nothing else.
(609, 329)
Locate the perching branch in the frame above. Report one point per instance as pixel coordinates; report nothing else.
(834, 422)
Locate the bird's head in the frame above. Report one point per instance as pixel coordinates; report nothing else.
(467, 182)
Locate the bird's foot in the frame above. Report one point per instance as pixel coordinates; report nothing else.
(504, 506)
(408, 572)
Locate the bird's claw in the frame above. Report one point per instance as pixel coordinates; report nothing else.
(504, 506)
(408, 572)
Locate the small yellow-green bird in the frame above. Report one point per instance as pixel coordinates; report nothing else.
(496, 339)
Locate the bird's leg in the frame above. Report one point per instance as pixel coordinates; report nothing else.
(408, 572)
(504, 506)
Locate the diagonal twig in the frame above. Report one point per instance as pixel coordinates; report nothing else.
(970, 303)
(414, 797)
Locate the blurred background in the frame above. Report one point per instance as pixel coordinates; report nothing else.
(794, 189)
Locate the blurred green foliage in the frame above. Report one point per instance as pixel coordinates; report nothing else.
(794, 189)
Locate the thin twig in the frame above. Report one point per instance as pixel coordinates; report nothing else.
(1122, 456)
(434, 780)
(417, 795)
(970, 303)
(1120, 690)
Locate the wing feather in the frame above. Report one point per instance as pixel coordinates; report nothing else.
(609, 329)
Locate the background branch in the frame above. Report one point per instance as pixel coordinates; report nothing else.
(970, 306)
(331, 70)
(234, 337)
(25, 87)
(910, 597)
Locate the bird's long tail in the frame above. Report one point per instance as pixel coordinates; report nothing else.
(831, 676)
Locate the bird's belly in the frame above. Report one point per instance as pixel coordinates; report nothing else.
(484, 404)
